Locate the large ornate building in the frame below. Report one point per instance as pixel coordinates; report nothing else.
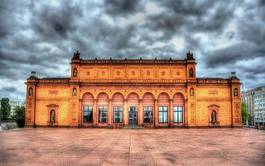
(133, 92)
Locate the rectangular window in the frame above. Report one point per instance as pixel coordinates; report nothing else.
(102, 114)
(178, 114)
(117, 114)
(163, 114)
(148, 114)
(88, 114)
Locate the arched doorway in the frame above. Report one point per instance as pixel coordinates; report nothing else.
(133, 109)
(148, 109)
(52, 117)
(213, 117)
(163, 109)
(102, 106)
(117, 108)
(87, 113)
(178, 109)
(213, 111)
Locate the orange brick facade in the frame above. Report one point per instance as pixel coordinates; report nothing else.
(133, 92)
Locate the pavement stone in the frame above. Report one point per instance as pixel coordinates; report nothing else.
(63, 146)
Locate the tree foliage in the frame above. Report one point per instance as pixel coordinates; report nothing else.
(20, 116)
(244, 112)
(5, 108)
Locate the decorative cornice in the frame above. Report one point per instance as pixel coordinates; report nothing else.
(133, 61)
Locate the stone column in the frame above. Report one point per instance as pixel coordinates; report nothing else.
(156, 113)
(110, 112)
(125, 113)
(140, 113)
(170, 113)
(95, 113)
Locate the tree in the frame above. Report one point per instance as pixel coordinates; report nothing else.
(244, 112)
(5, 108)
(20, 116)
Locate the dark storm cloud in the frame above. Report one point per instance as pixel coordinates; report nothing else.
(9, 89)
(41, 36)
(249, 46)
(55, 22)
(121, 7)
(6, 25)
(192, 16)
(231, 54)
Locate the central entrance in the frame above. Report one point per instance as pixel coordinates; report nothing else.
(133, 117)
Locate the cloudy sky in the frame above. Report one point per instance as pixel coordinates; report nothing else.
(224, 36)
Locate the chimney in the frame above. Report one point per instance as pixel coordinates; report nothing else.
(233, 74)
(33, 73)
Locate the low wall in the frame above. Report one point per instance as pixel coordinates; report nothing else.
(8, 125)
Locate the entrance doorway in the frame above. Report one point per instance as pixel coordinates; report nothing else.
(133, 117)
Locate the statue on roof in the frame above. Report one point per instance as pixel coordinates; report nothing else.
(76, 55)
(190, 56)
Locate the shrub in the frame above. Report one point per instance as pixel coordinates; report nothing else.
(20, 116)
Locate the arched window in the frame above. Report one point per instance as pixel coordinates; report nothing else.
(74, 72)
(163, 107)
(117, 102)
(88, 114)
(178, 108)
(52, 116)
(74, 93)
(191, 92)
(213, 117)
(87, 103)
(191, 72)
(148, 107)
(235, 92)
(30, 91)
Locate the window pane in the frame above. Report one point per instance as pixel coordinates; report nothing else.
(103, 114)
(180, 117)
(88, 114)
(160, 117)
(148, 114)
(117, 113)
(175, 116)
(148, 117)
(163, 114)
(120, 120)
(180, 109)
(178, 114)
(165, 117)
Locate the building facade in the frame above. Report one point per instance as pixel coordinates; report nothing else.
(133, 93)
(255, 100)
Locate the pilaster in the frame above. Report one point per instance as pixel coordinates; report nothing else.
(110, 112)
(140, 113)
(125, 112)
(95, 113)
(170, 117)
(156, 113)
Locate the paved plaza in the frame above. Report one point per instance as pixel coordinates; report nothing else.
(60, 146)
